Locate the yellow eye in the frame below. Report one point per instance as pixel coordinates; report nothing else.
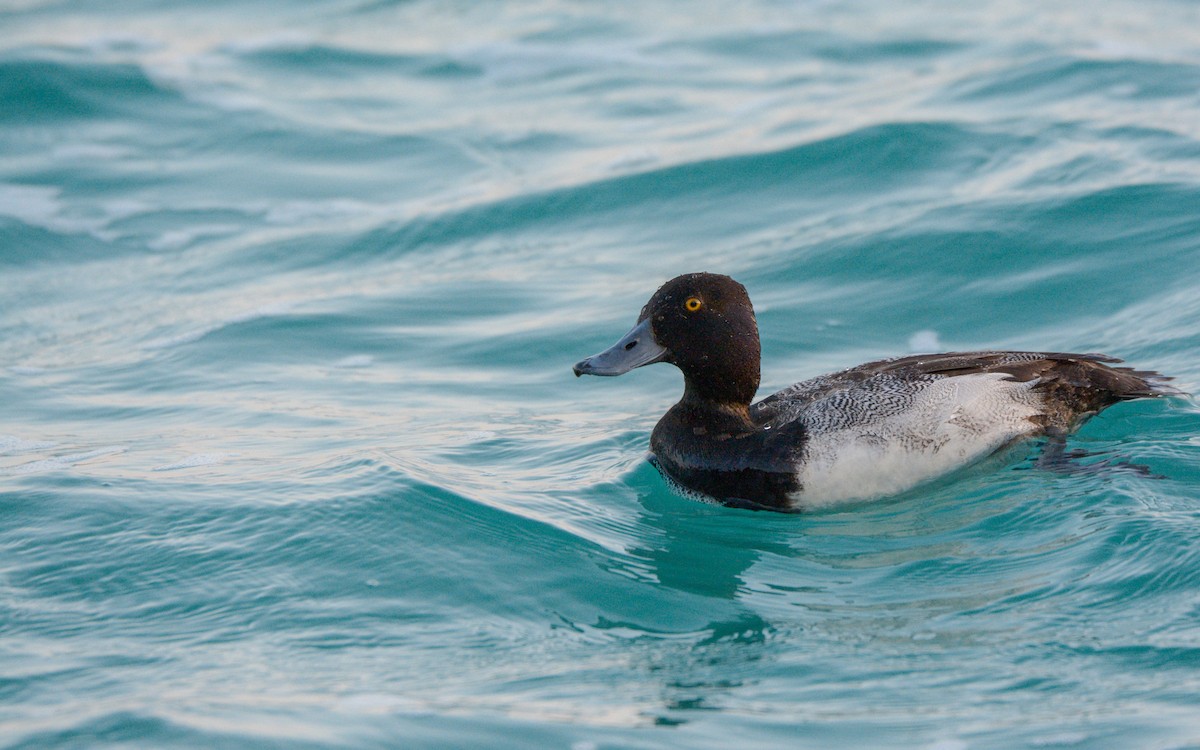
(693, 304)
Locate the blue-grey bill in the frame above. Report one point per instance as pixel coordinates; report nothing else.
(635, 349)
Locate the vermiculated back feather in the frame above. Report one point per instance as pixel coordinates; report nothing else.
(1074, 386)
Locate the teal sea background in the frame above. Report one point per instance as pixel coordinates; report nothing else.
(291, 454)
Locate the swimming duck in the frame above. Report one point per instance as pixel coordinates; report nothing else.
(873, 430)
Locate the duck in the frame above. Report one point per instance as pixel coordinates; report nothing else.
(878, 429)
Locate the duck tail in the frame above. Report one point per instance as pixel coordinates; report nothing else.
(1124, 383)
(1076, 386)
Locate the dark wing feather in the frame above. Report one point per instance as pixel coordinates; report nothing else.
(1074, 385)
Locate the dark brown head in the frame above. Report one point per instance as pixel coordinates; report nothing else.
(703, 323)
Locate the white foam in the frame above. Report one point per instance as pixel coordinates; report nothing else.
(289, 213)
(194, 460)
(122, 43)
(64, 462)
(1062, 739)
(948, 744)
(43, 207)
(525, 61)
(478, 435)
(281, 41)
(356, 360)
(380, 703)
(35, 205)
(11, 444)
(88, 151)
(637, 159)
(176, 239)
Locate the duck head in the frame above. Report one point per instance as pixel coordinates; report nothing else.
(703, 323)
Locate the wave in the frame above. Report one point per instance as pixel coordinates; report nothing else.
(39, 90)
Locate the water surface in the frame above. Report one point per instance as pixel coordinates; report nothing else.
(291, 454)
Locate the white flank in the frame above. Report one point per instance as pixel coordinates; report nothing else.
(949, 424)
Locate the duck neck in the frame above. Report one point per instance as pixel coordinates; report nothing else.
(729, 385)
(725, 403)
(716, 418)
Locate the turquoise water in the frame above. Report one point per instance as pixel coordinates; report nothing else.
(291, 455)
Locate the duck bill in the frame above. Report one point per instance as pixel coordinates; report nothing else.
(635, 349)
